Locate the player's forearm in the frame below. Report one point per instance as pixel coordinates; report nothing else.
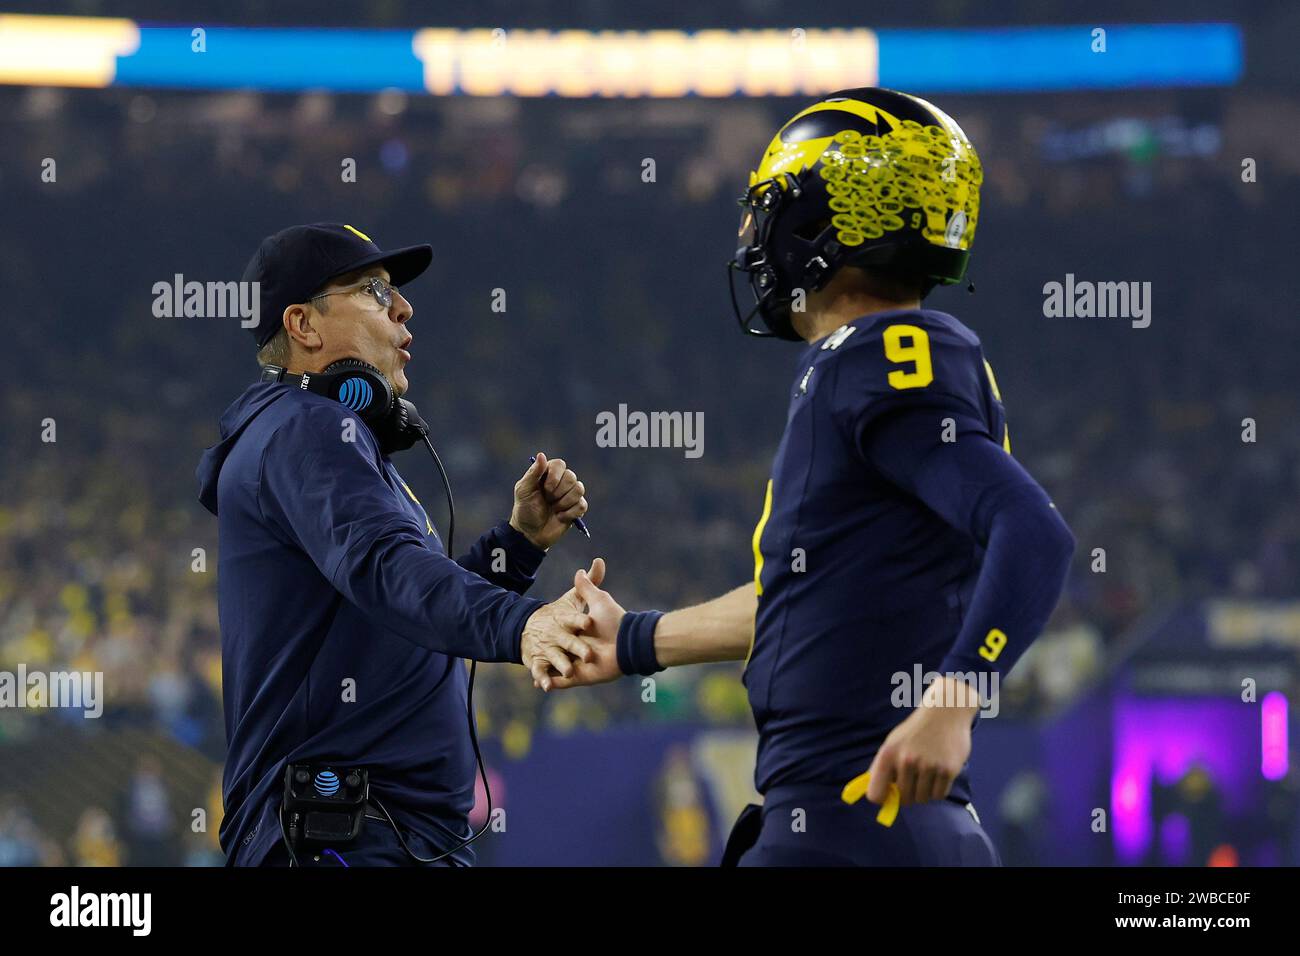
(1023, 574)
(717, 630)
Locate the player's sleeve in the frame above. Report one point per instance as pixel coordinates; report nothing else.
(328, 497)
(935, 445)
(504, 557)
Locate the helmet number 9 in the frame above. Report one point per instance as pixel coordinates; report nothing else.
(916, 353)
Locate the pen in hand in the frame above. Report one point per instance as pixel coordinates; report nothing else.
(577, 522)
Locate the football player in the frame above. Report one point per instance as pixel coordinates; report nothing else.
(900, 543)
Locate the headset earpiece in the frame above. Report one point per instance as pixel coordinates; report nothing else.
(359, 386)
(364, 389)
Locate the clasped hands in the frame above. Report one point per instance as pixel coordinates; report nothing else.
(572, 642)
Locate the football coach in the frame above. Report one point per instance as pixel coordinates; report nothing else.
(343, 619)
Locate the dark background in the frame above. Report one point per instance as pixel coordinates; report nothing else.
(616, 294)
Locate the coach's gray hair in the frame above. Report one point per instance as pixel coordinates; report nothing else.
(276, 351)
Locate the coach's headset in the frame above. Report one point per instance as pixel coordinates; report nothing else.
(360, 386)
(396, 426)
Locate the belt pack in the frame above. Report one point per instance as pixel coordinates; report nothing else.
(324, 804)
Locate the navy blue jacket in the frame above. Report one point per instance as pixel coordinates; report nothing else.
(343, 620)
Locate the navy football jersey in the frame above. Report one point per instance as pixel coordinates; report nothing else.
(857, 580)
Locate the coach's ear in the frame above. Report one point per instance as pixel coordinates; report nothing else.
(298, 322)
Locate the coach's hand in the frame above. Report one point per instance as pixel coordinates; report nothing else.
(604, 615)
(548, 499)
(924, 754)
(551, 641)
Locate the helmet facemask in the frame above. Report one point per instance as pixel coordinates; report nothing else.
(779, 263)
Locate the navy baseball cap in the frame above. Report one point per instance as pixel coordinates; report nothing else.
(295, 263)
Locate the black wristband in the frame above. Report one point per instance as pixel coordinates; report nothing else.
(636, 642)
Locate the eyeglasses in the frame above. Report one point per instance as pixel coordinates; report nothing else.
(375, 286)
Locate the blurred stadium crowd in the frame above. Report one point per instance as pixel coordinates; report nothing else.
(615, 294)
